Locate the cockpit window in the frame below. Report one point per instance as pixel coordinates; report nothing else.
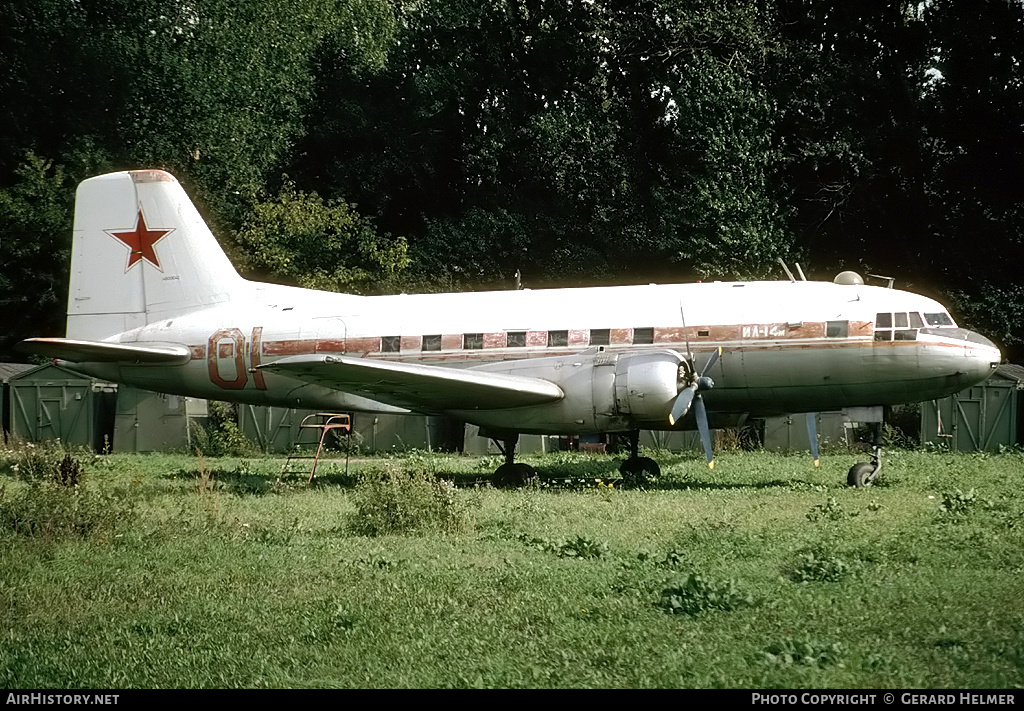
(939, 319)
(899, 326)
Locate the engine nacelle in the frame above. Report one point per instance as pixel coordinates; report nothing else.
(646, 384)
(604, 392)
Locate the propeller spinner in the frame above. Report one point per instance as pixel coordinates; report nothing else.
(690, 395)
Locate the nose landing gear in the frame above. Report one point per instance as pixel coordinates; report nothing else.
(864, 473)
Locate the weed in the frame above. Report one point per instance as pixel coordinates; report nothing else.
(207, 489)
(695, 594)
(893, 436)
(69, 472)
(325, 621)
(35, 462)
(1009, 519)
(811, 654)
(243, 481)
(819, 566)
(221, 436)
(579, 547)
(875, 662)
(957, 502)
(270, 536)
(394, 502)
(672, 560)
(646, 574)
(831, 510)
(378, 562)
(606, 490)
(59, 506)
(350, 444)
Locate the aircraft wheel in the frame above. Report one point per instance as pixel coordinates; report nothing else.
(512, 476)
(638, 471)
(860, 474)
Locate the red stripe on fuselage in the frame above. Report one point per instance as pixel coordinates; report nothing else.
(744, 337)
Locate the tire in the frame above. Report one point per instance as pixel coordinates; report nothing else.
(639, 471)
(513, 476)
(860, 474)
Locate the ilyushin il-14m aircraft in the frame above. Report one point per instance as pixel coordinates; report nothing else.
(155, 303)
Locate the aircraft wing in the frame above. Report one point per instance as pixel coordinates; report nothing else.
(424, 388)
(104, 352)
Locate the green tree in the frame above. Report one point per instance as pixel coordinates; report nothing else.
(35, 227)
(300, 238)
(849, 81)
(216, 92)
(576, 141)
(899, 123)
(975, 101)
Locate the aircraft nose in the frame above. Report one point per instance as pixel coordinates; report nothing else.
(974, 337)
(983, 354)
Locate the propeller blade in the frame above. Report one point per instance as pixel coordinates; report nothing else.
(682, 404)
(812, 434)
(705, 433)
(711, 362)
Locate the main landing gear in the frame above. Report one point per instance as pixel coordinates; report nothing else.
(511, 475)
(864, 473)
(637, 470)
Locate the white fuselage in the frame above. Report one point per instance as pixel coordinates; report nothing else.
(787, 346)
(149, 276)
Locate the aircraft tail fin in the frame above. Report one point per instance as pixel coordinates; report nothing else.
(141, 253)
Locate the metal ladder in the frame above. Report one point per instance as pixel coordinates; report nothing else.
(324, 422)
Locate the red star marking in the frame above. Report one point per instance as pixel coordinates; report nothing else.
(142, 242)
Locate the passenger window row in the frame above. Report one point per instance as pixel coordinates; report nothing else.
(597, 337)
(517, 339)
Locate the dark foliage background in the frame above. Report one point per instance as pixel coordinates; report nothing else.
(375, 146)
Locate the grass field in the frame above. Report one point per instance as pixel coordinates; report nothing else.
(170, 571)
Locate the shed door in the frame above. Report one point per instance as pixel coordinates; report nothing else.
(49, 419)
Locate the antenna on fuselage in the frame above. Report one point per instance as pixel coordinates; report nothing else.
(800, 271)
(519, 280)
(786, 269)
(890, 280)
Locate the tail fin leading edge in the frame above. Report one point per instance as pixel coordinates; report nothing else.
(141, 253)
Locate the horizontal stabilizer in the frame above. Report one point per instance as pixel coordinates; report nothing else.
(103, 352)
(425, 388)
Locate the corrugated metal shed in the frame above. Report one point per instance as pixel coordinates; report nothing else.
(788, 433)
(8, 371)
(473, 443)
(273, 429)
(48, 402)
(381, 433)
(276, 429)
(147, 421)
(985, 417)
